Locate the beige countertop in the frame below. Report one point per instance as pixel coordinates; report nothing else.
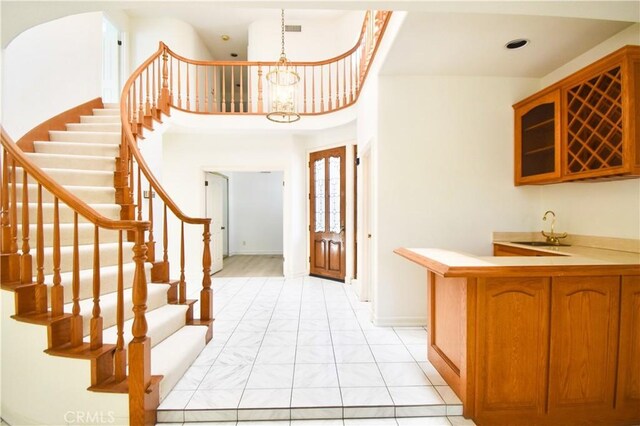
(575, 259)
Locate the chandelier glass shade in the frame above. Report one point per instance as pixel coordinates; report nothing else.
(283, 83)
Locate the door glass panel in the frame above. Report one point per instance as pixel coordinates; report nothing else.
(334, 194)
(318, 166)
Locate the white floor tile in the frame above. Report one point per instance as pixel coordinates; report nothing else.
(418, 352)
(192, 378)
(266, 398)
(358, 397)
(283, 325)
(313, 324)
(415, 395)
(382, 336)
(332, 422)
(237, 355)
(348, 337)
(280, 338)
(391, 353)
(215, 399)
(276, 355)
(226, 377)
(344, 324)
(315, 355)
(448, 395)
(412, 336)
(359, 375)
(370, 422)
(245, 338)
(423, 421)
(315, 376)
(252, 325)
(276, 376)
(403, 374)
(176, 400)
(316, 397)
(460, 421)
(314, 338)
(432, 374)
(347, 354)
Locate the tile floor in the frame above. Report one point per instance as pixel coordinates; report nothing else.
(287, 350)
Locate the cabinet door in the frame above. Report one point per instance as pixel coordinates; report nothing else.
(628, 392)
(584, 338)
(537, 139)
(595, 122)
(512, 348)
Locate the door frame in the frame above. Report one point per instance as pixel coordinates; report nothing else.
(364, 225)
(225, 219)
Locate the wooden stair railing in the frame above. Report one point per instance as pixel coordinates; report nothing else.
(108, 362)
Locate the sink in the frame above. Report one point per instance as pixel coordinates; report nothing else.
(540, 244)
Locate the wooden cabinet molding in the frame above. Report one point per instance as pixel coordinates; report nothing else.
(596, 130)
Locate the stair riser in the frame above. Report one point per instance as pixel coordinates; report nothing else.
(93, 127)
(71, 149)
(86, 137)
(108, 257)
(52, 161)
(110, 111)
(85, 235)
(112, 211)
(108, 281)
(100, 119)
(72, 177)
(157, 297)
(90, 195)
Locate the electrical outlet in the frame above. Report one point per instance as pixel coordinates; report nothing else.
(244, 243)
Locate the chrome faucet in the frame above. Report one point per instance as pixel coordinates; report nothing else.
(552, 237)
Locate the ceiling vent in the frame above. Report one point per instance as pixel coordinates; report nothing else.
(293, 28)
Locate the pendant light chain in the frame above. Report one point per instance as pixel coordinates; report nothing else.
(282, 30)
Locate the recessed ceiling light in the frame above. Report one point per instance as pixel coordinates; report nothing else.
(225, 37)
(517, 43)
(234, 55)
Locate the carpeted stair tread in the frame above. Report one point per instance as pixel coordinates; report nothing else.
(81, 162)
(156, 297)
(108, 256)
(162, 323)
(85, 234)
(90, 137)
(93, 127)
(70, 149)
(88, 194)
(73, 176)
(109, 119)
(106, 111)
(65, 213)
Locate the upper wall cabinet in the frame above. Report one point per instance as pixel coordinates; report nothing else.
(583, 127)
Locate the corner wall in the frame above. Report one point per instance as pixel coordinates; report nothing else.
(51, 68)
(444, 164)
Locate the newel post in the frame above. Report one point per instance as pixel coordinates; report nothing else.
(165, 98)
(206, 294)
(142, 399)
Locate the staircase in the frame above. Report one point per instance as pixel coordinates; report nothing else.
(82, 159)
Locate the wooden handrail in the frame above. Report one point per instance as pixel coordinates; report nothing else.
(63, 194)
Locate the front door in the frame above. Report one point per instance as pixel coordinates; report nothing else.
(327, 213)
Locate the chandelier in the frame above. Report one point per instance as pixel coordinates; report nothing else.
(283, 81)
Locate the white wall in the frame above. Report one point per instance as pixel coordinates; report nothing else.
(186, 157)
(609, 209)
(444, 165)
(255, 212)
(49, 69)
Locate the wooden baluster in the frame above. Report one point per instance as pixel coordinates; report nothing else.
(134, 117)
(321, 88)
(357, 79)
(151, 245)
(188, 88)
(313, 90)
(131, 176)
(6, 226)
(224, 94)
(260, 99)
(164, 96)
(183, 285)
(206, 90)
(14, 212)
(76, 319)
(96, 319)
(141, 106)
(241, 102)
(206, 294)
(304, 82)
(179, 86)
(344, 81)
(165, 238)
(41, 288)
(329, 95)
(337, 104)
(140, 347)
(249, 87)
(120, 357)
(213, 90)
(154, 84)
(233, 89)
(139, 193)
(26, 262)
(351, 78)
(197, 89)
(147, 105)
(171, 83)
(57, 291)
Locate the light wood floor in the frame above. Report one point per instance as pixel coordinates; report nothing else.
(251, 266)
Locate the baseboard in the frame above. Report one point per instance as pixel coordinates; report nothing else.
(419, 321)
(256, 253)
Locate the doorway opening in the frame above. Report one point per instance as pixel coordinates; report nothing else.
(247, 224)
(111, 58)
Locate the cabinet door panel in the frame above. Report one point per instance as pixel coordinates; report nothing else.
(584, 335)
(513, 336)
(628, 391)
